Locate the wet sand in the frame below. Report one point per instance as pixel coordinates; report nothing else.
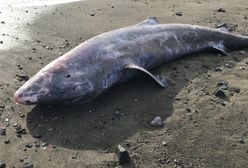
(200, 129)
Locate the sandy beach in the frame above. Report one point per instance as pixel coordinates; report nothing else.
(200, 129)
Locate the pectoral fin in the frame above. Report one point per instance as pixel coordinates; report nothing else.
(159, 79)
(220, 47)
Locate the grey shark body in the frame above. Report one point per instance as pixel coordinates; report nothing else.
(99, 63)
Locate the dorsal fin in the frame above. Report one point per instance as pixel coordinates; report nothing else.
(149, 21)
(224, 29)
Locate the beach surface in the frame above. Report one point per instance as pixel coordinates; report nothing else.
(200, 129)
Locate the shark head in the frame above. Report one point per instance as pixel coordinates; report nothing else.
(58, 82)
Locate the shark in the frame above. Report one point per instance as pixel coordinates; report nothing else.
(106, 60)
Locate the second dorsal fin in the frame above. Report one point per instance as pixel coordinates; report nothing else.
(149, 21)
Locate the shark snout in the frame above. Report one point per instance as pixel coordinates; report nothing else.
(25, 98)
(17, 97)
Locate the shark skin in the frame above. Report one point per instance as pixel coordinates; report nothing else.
(103, 61)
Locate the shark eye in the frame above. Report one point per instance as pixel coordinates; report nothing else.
(68, 76)
(28, 102)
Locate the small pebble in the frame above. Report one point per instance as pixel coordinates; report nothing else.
(19, 135)
(228, 65)
(92, 14)
(22, 78)
(222, 25)
(241, 140)
(37, 145)
(29, 145)
(218, 69)
(236, 89)
(49, 48)
(122, 154)
(44, 144)
(164, 143)
(221, 10)
(2, 131)
(2, 164)
(242, 68)
(179, 14)
(37, 135)
(20, 130)
(7, 141)
(220, 93)
(223, 85)
(28, 165)
(157, 122)
(176, 162)
(22, 115)
(188, 110)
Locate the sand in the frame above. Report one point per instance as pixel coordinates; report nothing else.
(200, 129)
